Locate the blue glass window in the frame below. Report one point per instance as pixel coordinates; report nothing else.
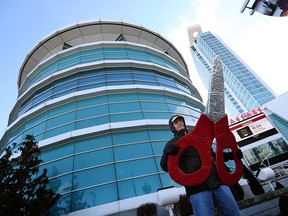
(84, 123)
(121, 76)
(154, 106)
(126, 189)
(43, 95)
(93, 176)
(62, 109)
(166, 180)
(148, 184)
(121, 82)
(64, 92)
(17, 135)
(135, 168)
(136, 56)
(92, 101)
(165, 81)
(91, 79)
(71, 60)
(152, 97)
(93, 143)
(59, 167)
(92, 111)
(61, 184)
(94, 158)
(142, 77)
(147, 83)
(156, 115)
(138, 186)
(124, 116)
(61, 119)
(131, 151)
(66, 86)
(132, 137)
(57, 152)
(158, 147)
(59, 130)
(159, 134)
(122, 97)
(63, 206)
(91, 86)
(94, 196)
(124, 107)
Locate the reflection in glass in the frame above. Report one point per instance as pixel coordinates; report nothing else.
(274, 148)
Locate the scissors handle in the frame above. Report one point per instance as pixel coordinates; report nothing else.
(200, 138)
(226, 140)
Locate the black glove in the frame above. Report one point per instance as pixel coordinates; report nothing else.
(239, 154)
(229, 155)
(172, 149)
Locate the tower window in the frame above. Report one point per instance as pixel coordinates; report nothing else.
(121, 38)
(66, 46)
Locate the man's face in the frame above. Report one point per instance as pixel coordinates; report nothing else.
(178, 124)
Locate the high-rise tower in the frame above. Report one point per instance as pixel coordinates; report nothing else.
(244, 90)
(97, 96)
(245, 95)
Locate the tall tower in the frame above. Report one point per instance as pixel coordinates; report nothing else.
(245, 92)
(97, 96)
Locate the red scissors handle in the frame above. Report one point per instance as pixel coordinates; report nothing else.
(225, 139)
(200, 138)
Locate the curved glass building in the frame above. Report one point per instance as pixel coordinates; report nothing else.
(97, 96)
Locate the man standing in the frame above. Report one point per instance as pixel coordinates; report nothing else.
(204, 195)
(190, 161)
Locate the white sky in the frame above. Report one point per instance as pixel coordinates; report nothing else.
(259, 40)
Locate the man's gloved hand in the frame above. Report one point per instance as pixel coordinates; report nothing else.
(172, 150)
(239, 154)
(229, 155)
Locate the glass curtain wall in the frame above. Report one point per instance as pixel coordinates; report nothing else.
(99, 109)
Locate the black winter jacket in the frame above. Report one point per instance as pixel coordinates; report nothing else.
(190, 162)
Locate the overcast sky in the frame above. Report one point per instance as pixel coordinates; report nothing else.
(259, 40)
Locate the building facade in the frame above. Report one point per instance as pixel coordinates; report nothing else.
(97, 96)
(246, 97)
(244, 90)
